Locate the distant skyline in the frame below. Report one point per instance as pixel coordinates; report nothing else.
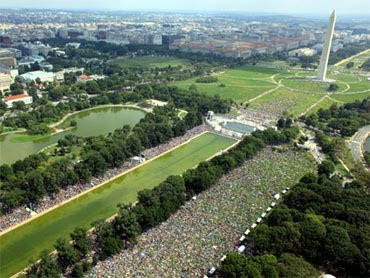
(267, 6)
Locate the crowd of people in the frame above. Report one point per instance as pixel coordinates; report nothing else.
(21, 214)
(195, 238)
(258, 117)
(278, 106)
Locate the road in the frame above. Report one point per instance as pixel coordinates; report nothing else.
(356, 142)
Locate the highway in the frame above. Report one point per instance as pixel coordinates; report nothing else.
(356, 142)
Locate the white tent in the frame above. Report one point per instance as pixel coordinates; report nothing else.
(241, 249)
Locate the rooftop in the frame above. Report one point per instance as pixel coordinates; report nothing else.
(20, 96)
(35, 74)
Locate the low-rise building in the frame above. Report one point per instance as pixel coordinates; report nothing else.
(302, 52)
(84, 78)
(33, 75)
(9, 101)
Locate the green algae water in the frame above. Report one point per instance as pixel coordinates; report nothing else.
(98, 121)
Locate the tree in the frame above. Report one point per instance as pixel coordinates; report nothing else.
(281, 123)
(108, 242)
(333, 87)
(73, 123)
(35, 185)
(5, 171)
(125, 224)
(81, 241)
(234, 265)
(326, 168)
(350, 65)
(292, 266)
(47, 267)
(19, 105)
(77, 271)
(67, 254)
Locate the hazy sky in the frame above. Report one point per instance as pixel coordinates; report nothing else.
(274, 6)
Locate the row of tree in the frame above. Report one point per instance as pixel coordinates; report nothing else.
(345, 120)
(318, 220)
(153, 207)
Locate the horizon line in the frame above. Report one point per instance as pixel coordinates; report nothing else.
(235, 11)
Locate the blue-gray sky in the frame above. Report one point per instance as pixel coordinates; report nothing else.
(270, 6)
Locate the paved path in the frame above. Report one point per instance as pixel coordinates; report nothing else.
(357, 141)
(261, 95)
(313, 105)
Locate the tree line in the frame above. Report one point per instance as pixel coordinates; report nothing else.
(319, 223)
(153, 207)
(44, 112)
(345, 120)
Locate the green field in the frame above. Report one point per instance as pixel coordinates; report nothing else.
(29, 138)
(21, 245)
(296, 94)
(325, 104)
(307, 86)
(241, 84)
(148, 62)
(350, 97)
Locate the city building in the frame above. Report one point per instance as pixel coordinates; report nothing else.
(5, 81)
(302, 52)
(33, 75)
(7, 57)
(13, 72)
(9, 101)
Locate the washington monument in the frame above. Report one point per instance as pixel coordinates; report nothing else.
(321, 72)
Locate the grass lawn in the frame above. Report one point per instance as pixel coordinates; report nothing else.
(148, 62)
(345, 77)
(325, 104)
(284, 100)
(241, 84)
(236, 93)
(26, 242)
(29, 138)
(350, 97)
(275, 64)
(308, 86)
(359, 86)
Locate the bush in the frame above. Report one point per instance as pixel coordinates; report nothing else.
(207, 79)
(350, 65)
(333, 87)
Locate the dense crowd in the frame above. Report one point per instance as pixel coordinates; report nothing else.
(258, 117)
(277, 106)
(195, 238)
(21, 214)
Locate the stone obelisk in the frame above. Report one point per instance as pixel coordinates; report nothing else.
(321, 72)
